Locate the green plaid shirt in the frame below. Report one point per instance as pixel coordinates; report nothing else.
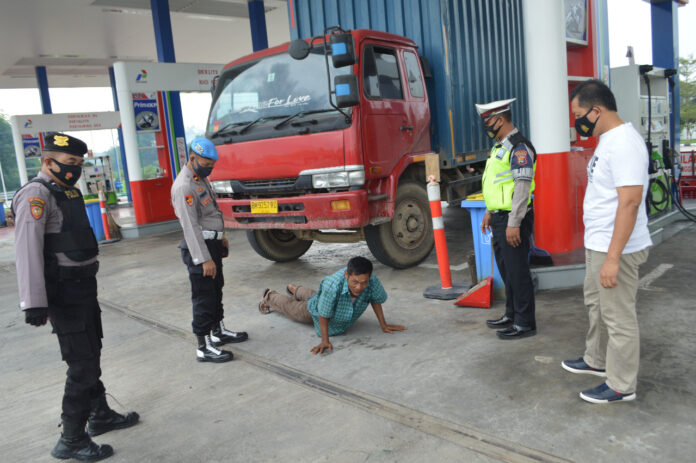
(334, 301)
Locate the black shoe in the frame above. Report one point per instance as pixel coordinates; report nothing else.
(515, 332)
(207, 352)
(500, 322)
(75, 443)
(103, 419)
(221, 335)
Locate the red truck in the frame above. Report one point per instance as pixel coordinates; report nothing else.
(325, 139)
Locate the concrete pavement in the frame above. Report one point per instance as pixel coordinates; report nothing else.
(445, 390)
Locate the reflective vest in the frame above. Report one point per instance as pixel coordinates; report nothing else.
(498, 183)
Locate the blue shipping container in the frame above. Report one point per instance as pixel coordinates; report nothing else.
(475, 49)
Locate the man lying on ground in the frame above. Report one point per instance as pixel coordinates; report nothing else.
(341, 300)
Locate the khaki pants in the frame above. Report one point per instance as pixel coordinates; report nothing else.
(293, 307)
(612, 339)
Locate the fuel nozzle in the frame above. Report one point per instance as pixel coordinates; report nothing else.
(645, 68)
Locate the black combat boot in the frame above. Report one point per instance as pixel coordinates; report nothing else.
(207, 352)
(221, 335)
(103, 419)
(75, 443)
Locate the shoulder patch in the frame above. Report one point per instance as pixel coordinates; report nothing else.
(36, 205)
(521, 155)
(189, 200)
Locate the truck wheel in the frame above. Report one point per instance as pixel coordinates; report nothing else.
(408, 238)
(277, 245)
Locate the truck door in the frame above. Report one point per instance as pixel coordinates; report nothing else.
(417, 108)
(387, 127)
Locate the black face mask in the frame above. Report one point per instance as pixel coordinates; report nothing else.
(202, 171)
(68, 174)
(490, 131)
(583, 126)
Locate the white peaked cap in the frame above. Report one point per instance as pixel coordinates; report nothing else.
(494, 107)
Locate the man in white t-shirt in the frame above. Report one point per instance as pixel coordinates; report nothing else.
(616, 243)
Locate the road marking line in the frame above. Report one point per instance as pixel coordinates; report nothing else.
(459, 434)
(656, 273)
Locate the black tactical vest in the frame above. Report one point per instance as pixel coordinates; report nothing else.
(517, 138)
(76, 238)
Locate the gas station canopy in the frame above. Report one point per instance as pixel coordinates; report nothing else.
(77, 40)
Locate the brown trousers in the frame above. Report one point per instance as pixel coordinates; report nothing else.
(293, 307)
(612, 341)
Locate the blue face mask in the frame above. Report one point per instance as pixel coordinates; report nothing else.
(202, 171)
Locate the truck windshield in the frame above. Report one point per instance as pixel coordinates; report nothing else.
(273, 88)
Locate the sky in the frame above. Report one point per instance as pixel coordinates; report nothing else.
(629, 24)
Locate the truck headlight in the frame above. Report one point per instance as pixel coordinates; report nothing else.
(356, 177)
(331, 180)
(337, 177)
(222, 187)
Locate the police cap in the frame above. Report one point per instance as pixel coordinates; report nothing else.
(494, 107)
(56, 141)
(204, 148)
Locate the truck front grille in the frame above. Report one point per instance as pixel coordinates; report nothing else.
(270, 183)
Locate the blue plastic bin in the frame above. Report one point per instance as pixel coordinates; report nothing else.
(482, 246)
(3, 220)
(95, 218)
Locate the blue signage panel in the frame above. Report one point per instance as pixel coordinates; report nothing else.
(145, 107)
(32, 146)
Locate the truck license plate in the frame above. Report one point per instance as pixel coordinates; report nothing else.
(264, 207)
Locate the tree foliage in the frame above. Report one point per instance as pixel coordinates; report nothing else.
(687, 94)
(7, 156)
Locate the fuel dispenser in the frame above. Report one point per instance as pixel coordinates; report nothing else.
(643, 99)
(96, 170)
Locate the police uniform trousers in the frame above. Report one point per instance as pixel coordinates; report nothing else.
(513, 265)
(206, 292)
(75, 315)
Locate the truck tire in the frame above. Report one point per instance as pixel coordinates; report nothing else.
(408, 238)
(277, 245)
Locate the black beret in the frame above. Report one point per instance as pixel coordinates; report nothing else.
(55, 141)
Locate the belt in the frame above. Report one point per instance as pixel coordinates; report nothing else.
(78, 272)
(213, 235)
(501, 211)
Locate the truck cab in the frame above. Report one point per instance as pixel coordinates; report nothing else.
(311, 150)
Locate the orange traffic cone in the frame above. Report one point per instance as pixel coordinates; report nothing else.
(481, 294)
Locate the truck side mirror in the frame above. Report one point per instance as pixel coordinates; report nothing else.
(342, 50)
(427, 73)
(213, 84)
(346, 91)
(299, 49)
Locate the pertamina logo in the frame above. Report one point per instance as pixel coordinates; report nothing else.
(142, 77)
(28, 123)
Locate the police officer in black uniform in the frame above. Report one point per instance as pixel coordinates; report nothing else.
(56, 259)
(202, 250)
